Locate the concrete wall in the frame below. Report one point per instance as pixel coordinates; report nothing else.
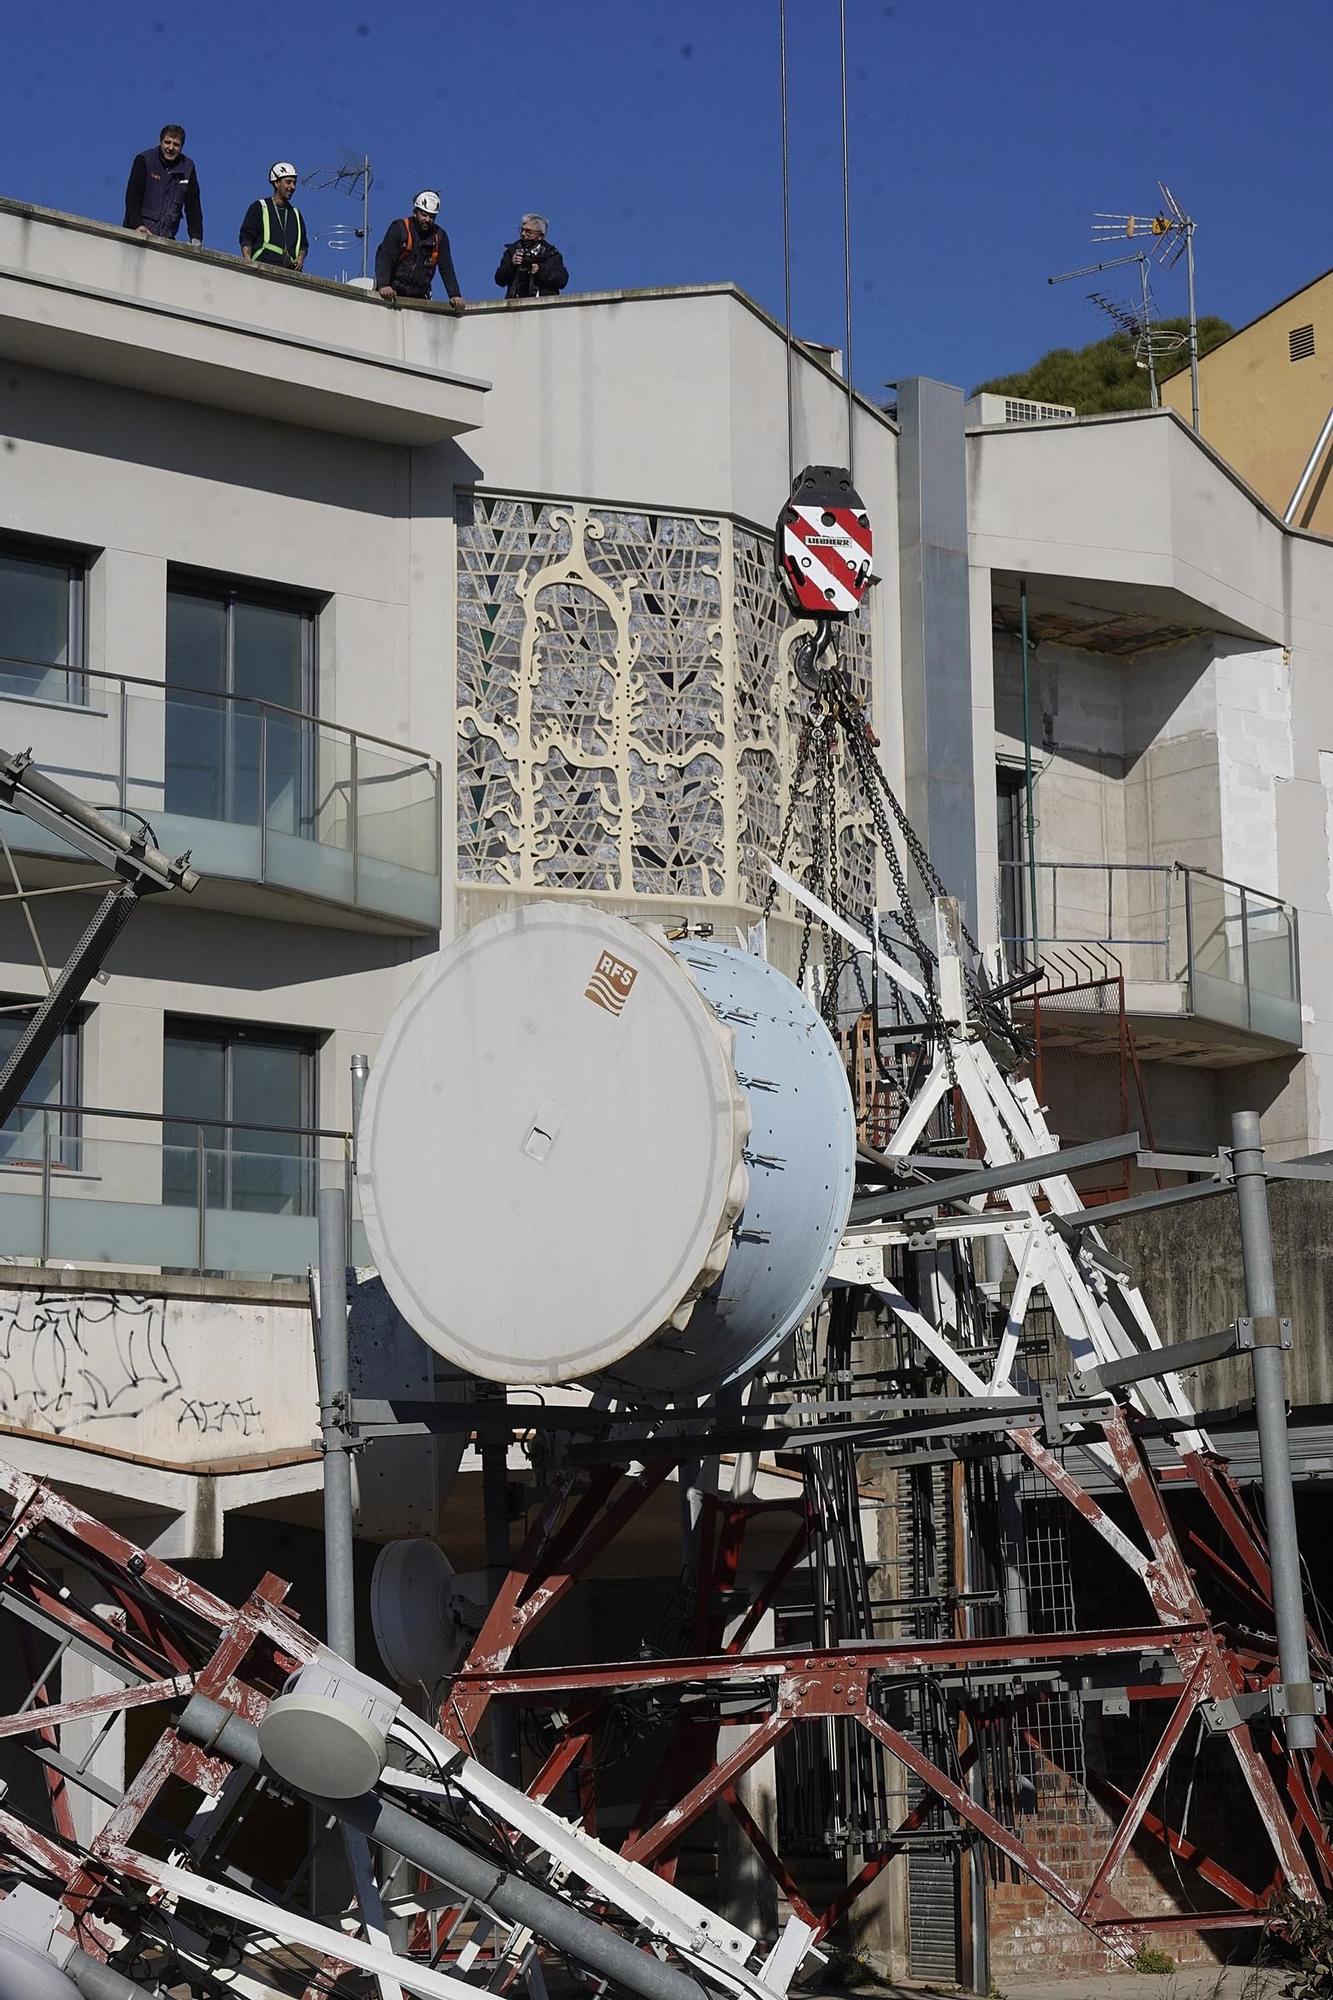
(1134, 501)
(1187, 1262)
(183, 1381)
(1262, 410)
(1216, 749)
(1179, 753)
(115, 448)
(675, 400)
(145, 485)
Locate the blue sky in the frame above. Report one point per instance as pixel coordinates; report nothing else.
(982, 138)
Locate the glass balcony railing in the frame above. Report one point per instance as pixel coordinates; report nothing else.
(1243, 955)
(79, 1185)
(1234, 949)
(259, 793)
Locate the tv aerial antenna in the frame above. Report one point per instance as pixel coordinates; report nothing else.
(1171, 237)
(1149, 341)
(353, 177)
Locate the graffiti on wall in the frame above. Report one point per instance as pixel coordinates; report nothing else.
(69, 1360)
(223, 1416)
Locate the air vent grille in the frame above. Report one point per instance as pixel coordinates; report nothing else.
(1020, 412)
(1300, 342)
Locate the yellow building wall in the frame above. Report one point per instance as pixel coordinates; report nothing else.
(1263, 411)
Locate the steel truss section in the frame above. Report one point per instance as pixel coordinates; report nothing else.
(1208, 1674)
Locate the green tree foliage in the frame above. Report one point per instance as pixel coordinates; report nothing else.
(1103, 376)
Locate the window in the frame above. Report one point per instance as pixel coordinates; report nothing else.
(1300, 343)
(230, 755)
(57, 1082)
(1010, 811)
(243, 1079)
(41, 623)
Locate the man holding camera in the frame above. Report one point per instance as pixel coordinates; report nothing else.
(530, 267)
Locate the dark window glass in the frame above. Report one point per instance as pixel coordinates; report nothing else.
(229, 1074)
(1010, 807)
(56, 1082)
(41, 624)
(236, 662)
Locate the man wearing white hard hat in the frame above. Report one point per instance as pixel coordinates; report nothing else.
(273, 232)
(413, 250)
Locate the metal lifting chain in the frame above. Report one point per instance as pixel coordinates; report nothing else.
(818, 859)
(816, 755)
(784, 839)
(834, 707)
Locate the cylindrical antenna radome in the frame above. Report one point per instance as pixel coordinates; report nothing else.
(588, 1154)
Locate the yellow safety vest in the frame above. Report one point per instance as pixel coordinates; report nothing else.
(270, 248)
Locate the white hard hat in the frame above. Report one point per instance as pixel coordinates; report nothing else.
(282, 170)
(427, 202)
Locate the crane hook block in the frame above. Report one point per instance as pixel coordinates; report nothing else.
(824, 544)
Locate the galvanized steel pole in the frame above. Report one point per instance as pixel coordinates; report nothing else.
(360, 1078)
(1194, 328)
(334, 1400)
(97, 1981)
(1030, 827)
(1270, 1408)
(506, 1759)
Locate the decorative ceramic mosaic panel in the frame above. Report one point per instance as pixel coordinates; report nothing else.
(627, 716)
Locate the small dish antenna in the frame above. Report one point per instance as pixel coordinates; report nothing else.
(327, 1732)
(415, 1613)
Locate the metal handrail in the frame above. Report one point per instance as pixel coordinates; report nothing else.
(1193, 868)
(64, 1159)
(173, 1118)
(1254, 904)
(214, 694)
(1108, 868)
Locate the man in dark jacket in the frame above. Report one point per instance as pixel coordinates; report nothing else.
(413, 250)
(163, 186)
(530, 267)
(273, 231)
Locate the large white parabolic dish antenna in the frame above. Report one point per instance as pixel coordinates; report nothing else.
(587, 1154)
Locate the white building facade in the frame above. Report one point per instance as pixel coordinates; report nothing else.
(392, 618)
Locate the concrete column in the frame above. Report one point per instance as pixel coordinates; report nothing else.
(936, 632)
(982, 654)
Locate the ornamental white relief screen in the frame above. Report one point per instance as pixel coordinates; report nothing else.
(628, 721)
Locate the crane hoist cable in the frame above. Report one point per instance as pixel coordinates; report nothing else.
(844, 129)
(823, 548)
(834, 715)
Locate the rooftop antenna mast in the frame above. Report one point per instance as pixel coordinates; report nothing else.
(1151, 343)
(1138, 325)
(355, 177)
(1172, 231)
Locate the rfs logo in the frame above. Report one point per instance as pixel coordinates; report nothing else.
(611, 982)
